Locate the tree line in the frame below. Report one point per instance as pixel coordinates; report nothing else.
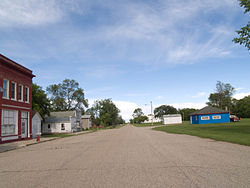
(68, 95)
(222, 98)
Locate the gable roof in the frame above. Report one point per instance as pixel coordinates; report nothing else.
(63, 114)
(208, 110)
(34, 112)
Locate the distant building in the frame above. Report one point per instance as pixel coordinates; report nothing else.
(36, 124)
(62, 122)
(86, 122)
(15, 101)
(172, 119)
(153, 119)
(209, 115)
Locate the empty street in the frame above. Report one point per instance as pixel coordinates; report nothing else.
(127, 157)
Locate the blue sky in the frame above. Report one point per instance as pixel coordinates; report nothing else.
(133, 51)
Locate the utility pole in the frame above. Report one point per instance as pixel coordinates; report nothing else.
(151, 112)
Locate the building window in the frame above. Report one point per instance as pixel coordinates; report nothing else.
(9, 122)
(62, 127)
(6, 89)
(205, 118)
(13, 90)
(48, 126)
(20, 92)
(216, 117)
(26, 94)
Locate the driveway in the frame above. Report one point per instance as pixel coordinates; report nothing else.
(127, 157)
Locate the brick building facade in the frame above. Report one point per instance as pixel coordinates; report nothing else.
(15, 101)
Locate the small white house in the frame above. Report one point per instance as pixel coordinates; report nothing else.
(62, 122)
(172, 119)
(36, 124)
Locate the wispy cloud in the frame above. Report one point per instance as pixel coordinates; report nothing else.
(28, 12)
(151, 33)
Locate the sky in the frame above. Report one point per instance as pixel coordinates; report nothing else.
(169, 52)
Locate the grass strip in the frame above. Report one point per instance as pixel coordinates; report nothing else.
(234, 132)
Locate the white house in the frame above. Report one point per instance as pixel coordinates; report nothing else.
(62, 122)
(36, 124)
(172, 119)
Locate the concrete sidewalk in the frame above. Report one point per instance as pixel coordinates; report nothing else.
(19, 144)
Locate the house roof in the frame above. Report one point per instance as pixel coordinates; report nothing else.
(209, 110)
(86, 116)
(63, 114)
(34, 112)
(171, 115)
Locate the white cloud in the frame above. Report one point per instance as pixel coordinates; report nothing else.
(127, 108)
(188, 105)
(238, 89)
(28, 12)
(241, 95)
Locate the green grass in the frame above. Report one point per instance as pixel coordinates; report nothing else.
(234, 132)
(60, 135)
(147, 124)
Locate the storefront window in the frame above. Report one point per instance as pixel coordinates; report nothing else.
(9, 122)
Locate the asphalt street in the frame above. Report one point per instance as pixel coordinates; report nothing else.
(127, 157)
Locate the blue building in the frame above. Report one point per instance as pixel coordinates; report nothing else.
(209, 115)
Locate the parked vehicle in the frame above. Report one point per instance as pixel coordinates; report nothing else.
(234, 118)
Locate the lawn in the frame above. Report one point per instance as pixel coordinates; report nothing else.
(60, 135)
(147, 124)
(235, 132)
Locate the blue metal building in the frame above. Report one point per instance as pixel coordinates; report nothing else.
(209, 115)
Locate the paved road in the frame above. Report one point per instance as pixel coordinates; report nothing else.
(127, 157)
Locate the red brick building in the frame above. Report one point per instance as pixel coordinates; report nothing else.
(15, 101)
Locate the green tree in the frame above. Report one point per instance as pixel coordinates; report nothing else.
(185, 112)
(164, 110)
(40, 102)
(242, 107)
(244, 32)
(104, 112)
(140, 119)
(137, 112)
(67, 96)
(222, 98)
(138, 116)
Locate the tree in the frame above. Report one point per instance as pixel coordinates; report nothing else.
(137, 112)
(244, 32)
(67, 96)
(242, 107)
(104, 112)
(138, 116)
(140, 119)
(185, 112)
(40, 102)
(164, 110)
(222, 98)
